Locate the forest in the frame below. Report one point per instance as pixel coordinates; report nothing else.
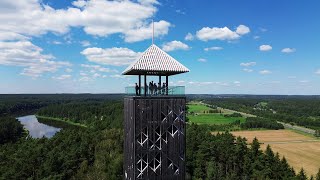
(96, 150)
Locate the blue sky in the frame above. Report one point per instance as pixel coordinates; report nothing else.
(231, 47)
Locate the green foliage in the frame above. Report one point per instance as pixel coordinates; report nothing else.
(75, 152)
(233, 115)
(223, 156)
(198, 108)
(99, 114)
(257, 122)
(299, 110)
(10, 129)
(302, 175)
(213, 119)
(318, 175)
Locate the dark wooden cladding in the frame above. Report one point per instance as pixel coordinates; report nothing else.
(154, 146)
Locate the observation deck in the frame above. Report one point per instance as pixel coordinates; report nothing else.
(170, 91)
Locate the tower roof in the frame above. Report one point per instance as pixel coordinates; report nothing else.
(154, 61)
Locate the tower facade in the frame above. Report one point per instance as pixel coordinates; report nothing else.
(154, 137)
(154, 120)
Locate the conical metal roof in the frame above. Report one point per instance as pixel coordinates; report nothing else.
(154, 61)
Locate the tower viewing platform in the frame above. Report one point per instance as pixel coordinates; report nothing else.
(154, 119)
(155, 62)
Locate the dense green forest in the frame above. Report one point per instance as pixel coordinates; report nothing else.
(96, 151)
(258, 122)
(10, 129)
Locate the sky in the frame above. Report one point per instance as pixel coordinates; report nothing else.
(230, 46)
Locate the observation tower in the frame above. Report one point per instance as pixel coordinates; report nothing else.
(154, 119)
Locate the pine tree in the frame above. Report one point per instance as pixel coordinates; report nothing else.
(318, 175)
(255, 147)
(302, 175)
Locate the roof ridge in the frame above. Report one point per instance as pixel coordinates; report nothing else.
(155, 61)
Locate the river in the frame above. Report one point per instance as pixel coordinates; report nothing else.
(37, 129)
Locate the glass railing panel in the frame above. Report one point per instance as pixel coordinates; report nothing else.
(172, 90)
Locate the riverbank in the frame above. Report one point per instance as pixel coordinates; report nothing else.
(51, 120)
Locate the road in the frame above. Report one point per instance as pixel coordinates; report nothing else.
(299, 128)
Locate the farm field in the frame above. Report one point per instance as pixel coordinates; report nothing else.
(198, 108)
(213, 119)
(200, 117)
(299, 150)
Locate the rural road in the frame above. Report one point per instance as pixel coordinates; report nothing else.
(299, 128)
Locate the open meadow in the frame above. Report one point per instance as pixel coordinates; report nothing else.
(200, 114)
(299, 150)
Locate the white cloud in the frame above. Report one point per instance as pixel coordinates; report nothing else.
(111, 56)
(144, 32)
(263, 29)
(215, 48)
(292, 77)
(247, 70)
(83, 74)
(68, 70)
(265, 72)
(189, 37)
(265, 48)
(56, 42)
(317, 72)
(85, 79)
(247, 64)
(179, 11)
(97, 68)
(95, 75)
(288, 50)
(117, 76)
(304, 81)
(5, 36)
(29, 56)
(202, 60)
(96, 17)
(175, 45)
(62, 77)
(207, 83)
(236, 83)
(224, 33)
(242, 29)
(85, 43)
(148, 2)
(256, 37)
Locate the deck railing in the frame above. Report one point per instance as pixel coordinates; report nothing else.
(172, 90)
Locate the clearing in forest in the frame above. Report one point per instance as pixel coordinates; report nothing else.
(299, 150)
(200, 114)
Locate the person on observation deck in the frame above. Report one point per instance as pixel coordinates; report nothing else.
(159, 88)
(150, 87)
(137, 90)
(163, 88)
(155, 88)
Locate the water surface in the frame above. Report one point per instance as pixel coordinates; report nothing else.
(37, 129)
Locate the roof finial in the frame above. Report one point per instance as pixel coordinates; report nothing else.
(152, 32)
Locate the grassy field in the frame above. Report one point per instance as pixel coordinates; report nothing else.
(197, 108)
(213, 119)
(200, 117)
(299, 150)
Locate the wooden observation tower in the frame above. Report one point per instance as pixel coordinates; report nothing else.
(154, 120)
